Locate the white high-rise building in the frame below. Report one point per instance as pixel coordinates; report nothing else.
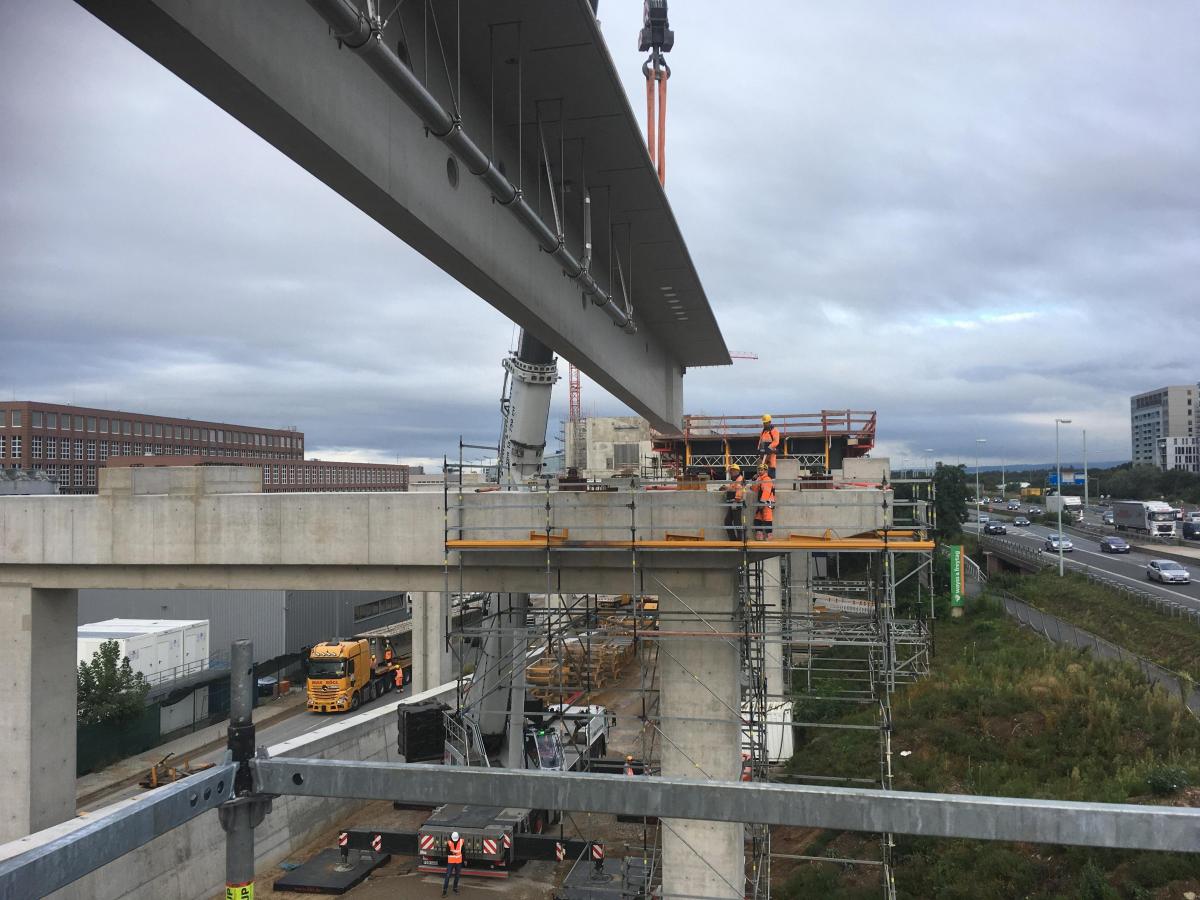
(1167, 412)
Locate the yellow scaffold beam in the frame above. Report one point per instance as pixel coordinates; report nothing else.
(793, 542)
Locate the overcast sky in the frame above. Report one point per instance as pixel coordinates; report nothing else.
(971, 217)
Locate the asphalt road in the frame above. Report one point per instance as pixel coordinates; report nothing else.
(1129, 568)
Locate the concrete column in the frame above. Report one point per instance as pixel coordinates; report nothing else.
(432, 662)
(518, 622)
(37, 706)
(700, 698)
(773, 649)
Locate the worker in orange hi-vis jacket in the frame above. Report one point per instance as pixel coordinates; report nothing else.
(764, 512)
(768, 444)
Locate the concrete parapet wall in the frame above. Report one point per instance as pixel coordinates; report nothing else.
(189, 862)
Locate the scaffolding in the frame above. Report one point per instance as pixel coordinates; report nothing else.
(833, 635)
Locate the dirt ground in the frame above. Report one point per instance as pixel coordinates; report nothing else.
(532, 881)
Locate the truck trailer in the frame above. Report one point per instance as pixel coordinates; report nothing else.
(344, 673)
(1152, 517)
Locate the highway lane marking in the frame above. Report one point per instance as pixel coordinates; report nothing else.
(1143, 583)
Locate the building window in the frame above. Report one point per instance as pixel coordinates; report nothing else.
(104, 450)
(37, 446)
(37, 419)
(137, 429)
(16, 418)
(379, 607)
(51, 420)
(3, 441)
(91, 451)
(79, 423)
(16, 446)
(91, 423)
(91, 476)
(137, 448)
(126, 427)
(51, 448)
(125, 448)
(78, 476)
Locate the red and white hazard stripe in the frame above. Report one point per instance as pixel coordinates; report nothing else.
(427, 842)
(597, 851)
(377, 843)
(507, 841)
(489, 845)
(560, 852)
(343, 839)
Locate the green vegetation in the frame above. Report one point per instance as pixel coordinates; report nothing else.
(1006, 713)
(107, 688)
(1113, 615)
(950, 505)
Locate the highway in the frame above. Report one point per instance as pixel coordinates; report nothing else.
(1129, 568)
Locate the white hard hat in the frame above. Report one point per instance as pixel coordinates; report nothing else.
(454, 835)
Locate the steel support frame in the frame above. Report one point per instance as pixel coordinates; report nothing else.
(57, 863)
(1111, 825)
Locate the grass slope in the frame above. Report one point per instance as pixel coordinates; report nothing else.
(1170, 642)
(1005, 713)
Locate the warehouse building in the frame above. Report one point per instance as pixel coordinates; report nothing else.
(279, 622)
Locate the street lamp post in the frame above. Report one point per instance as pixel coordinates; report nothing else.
(978, 441)
(1086, 493)
(1058, 469)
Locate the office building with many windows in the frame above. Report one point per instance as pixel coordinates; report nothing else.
(1167, 412)
(69, 443)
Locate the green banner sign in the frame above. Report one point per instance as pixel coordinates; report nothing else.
(956, 575)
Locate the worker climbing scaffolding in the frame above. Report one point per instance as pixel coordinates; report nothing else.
(657, 38)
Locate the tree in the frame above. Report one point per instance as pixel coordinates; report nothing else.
(950, 503)
(108, 690)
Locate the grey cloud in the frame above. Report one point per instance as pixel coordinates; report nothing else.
(971, 218)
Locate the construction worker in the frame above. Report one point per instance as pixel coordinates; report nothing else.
(735, 504)
(399, 677)
(768, 443)
(454, 857)
(764, 510)
(629, 764)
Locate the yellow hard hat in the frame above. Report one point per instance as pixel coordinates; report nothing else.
(763, 467)
(734, 467)
(766, 418)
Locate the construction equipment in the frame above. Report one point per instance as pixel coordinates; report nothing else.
(161, 773)
(345, 673)
(529, 377)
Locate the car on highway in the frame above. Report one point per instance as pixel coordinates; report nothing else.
(1021, 522)
(983, 520)
(1168, 572)
(1034, 511)
(1014, 505)
(1107, 518)
(1191, 530)
(1113, 544)
(1053, 544)
(995, 528)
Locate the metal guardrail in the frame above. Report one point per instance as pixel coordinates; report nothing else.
(1014, 550)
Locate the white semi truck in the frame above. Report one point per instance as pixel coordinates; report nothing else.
(1152, 517)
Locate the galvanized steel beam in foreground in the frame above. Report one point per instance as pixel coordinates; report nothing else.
(44, 869)
(901, 812)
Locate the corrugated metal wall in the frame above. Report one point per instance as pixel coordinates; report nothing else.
(278, 622)
(258, 615)
(314, 616)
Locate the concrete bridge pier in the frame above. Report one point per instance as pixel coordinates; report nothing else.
(432, 661)
(700, 685)
(37, 708)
